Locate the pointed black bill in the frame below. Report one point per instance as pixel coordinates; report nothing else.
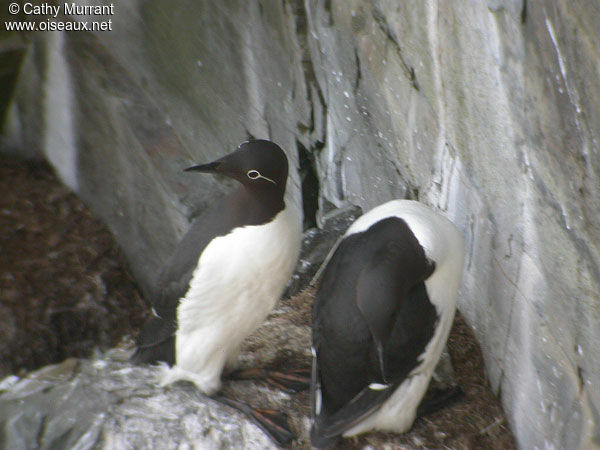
(208, 167)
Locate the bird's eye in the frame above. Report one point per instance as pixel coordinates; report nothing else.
(253, 174)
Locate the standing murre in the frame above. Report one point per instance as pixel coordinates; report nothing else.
(381, 318)
(227, 273)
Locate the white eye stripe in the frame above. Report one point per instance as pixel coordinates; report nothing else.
(254, 174)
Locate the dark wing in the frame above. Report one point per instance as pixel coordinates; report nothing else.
(372, 331)
(397, 264)
(156, 340)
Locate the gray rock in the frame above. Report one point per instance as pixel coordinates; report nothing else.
(317, 243)
(107, 403)
(487, 111)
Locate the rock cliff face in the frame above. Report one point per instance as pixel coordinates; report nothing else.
(488, 111)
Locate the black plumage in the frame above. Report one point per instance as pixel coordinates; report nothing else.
(372, 319)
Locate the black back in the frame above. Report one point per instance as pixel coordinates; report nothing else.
(255, 202)
(372, 318)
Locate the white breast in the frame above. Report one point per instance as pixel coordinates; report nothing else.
(237, 283)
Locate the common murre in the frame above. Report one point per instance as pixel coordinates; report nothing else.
(227, 273)
(381, 317)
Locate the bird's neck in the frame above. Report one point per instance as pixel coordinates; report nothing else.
(259, 205)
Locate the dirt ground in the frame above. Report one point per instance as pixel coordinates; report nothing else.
(64, 291)
(63, 287)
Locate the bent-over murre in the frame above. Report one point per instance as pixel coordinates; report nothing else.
(228, 271)
(381, 318)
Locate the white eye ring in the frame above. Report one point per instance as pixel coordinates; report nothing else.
(254, 174)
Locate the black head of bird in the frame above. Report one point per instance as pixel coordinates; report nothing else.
(257, 164)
